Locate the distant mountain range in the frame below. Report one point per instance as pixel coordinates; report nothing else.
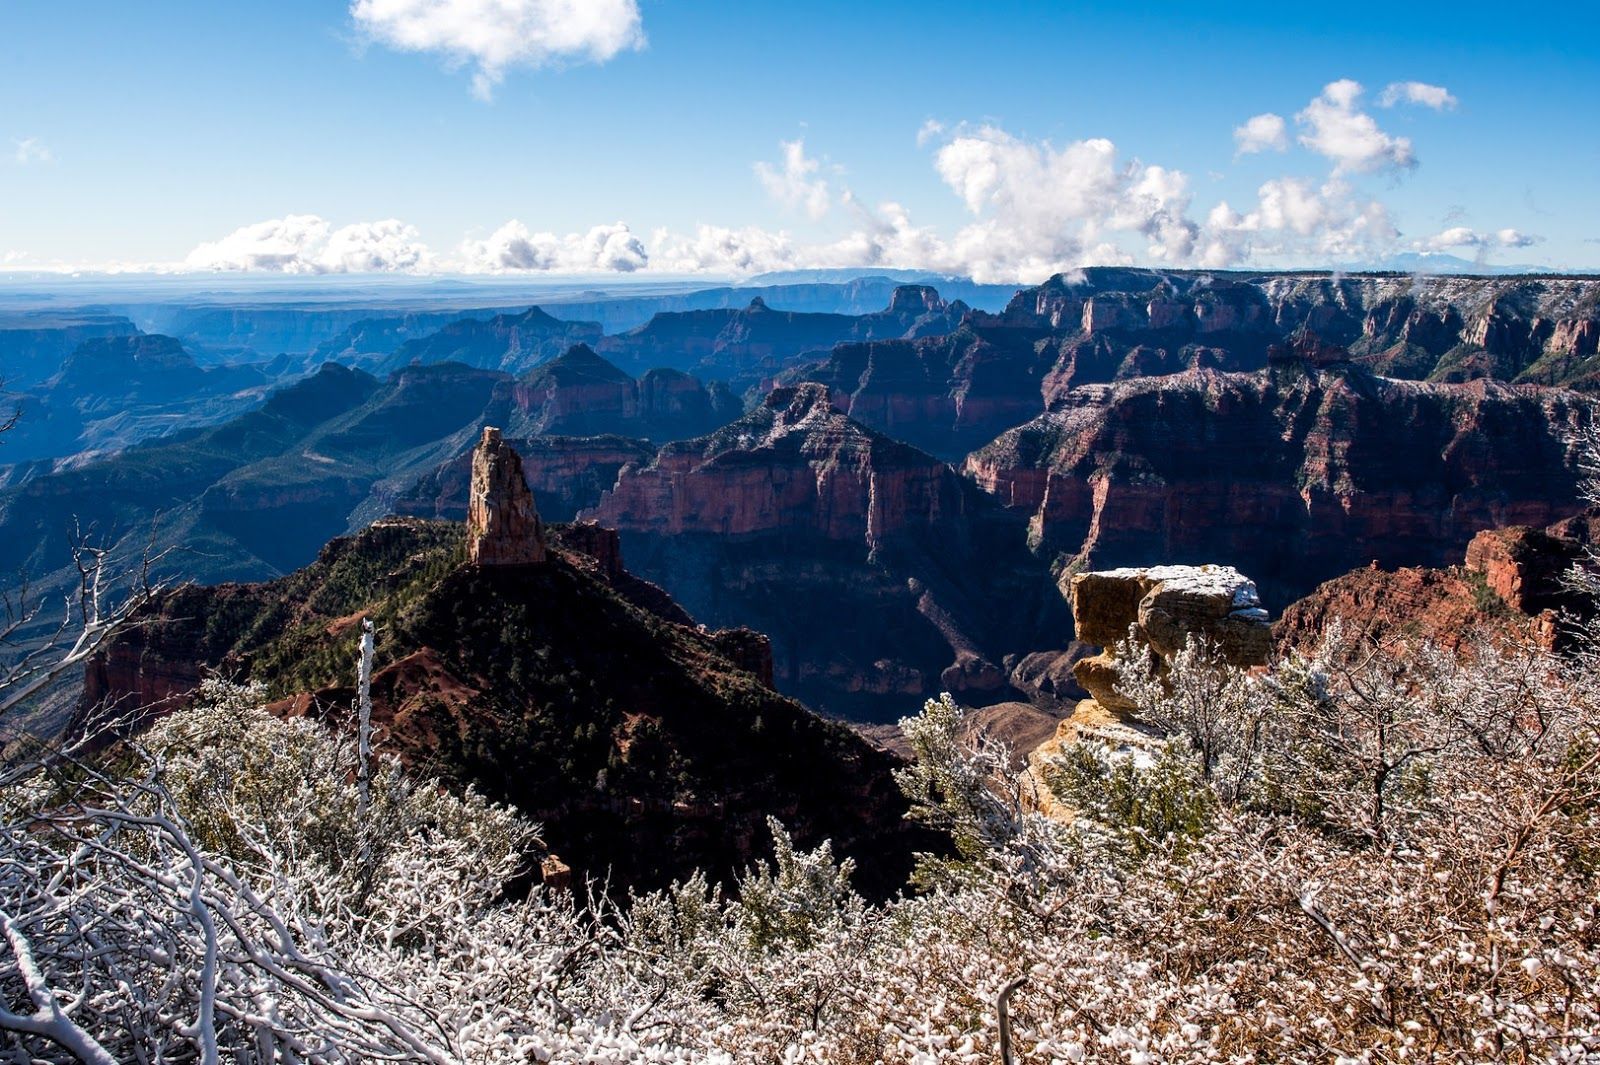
(1438, 262)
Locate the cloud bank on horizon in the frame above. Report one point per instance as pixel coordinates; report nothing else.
(1035, 209)
(1032, 207)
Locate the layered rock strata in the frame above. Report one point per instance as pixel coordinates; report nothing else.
(881, 577)
(946, 394)
(793, 464)
(1295, 473)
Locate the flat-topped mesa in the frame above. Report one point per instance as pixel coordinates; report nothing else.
(1162, 607)
(503, 527)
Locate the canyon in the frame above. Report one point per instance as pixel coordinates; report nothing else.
(905, 488)
(880, 575)
(524, 660)
(1296, 472)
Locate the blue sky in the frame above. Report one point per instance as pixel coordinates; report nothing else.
(309, 135)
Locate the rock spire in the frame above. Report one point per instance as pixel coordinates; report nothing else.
(503, 527)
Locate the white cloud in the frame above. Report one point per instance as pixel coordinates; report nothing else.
(494, 36)
(1454, 237)
(1336, 128)
(1290, 204)
(1418, 92)
(886, 237)
(1035, 209)
(932, 129)
(513, 248)
(307, 244)
(31, 150)
(1467, 237)
(796, 185)
(1294, 218)
(1262, 133)
(282, 244)
(723, 251)
(373, 247)
(1156, 205)
(1040, 209)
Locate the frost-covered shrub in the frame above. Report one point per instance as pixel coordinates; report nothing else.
(1397, 860)
(214, 893)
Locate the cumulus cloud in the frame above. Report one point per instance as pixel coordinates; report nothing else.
(285, 245)
(31, 150)
(1262, 133)
(1335, 127)
(1034, 208)
(723, 250)
(307, 244)
(1041, 208)
(1512, 238)
(513, 248)
(373, 247)
(1417, 92)
(886, 237)
(1294, 217)
(1156, 205)
(1467, 237)
(795, 184)
(493, 36)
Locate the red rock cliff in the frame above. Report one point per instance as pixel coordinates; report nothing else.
(793, 464)
(1510, 583)
(1292, 474)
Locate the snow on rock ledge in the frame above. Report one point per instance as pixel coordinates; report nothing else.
(1163, 606)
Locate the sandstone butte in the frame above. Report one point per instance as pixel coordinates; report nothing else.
(1160, 607)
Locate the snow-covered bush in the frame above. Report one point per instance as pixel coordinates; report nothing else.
(214, 894)
(1362, 854)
